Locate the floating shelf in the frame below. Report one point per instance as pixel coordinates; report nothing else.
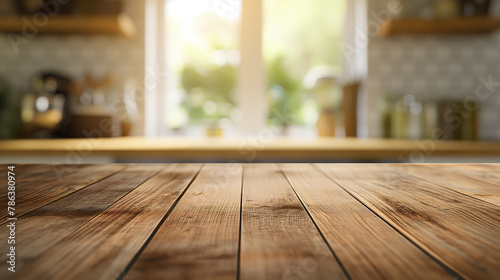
(88, 24)
(439, 26)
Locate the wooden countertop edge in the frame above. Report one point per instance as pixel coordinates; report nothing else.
(251, 147)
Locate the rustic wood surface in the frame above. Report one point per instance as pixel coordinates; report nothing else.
(278, 239)
(199, 239)
(48, 225)
(31, 195)
(266, 221)
(368, 247)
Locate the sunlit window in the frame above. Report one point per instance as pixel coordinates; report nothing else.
(297, 37)
(202, 48)
(203, 58)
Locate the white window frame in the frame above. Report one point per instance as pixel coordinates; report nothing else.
(154, 83)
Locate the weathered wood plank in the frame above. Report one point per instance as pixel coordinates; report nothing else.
(443, 176)
(489, 173)
(44, 227)
(199, 238)
(364, 172)
(45, 172)
(460, 231)
(103, 247)
(367, 246)
(31, 196)
(278, 238)
(26, 172)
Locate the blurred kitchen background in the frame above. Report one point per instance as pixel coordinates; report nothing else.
(332, 76)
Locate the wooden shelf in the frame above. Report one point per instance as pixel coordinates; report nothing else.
(93, 24)
(439, 26)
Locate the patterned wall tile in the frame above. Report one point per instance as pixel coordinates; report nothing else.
(432, 66)
(75, 55)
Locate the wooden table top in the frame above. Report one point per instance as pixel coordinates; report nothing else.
(261, 221)
(250, 148)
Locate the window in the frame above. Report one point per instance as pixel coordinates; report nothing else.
(202, 58)
(241, 65)
(297, 37)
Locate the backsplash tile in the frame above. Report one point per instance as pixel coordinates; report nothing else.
(76, 55)
(431, 66)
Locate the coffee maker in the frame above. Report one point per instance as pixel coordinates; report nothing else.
(45, 112)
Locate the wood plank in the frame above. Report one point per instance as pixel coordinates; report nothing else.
(102, 248)
(4, 169)
(367, 246)
(44, 227)
(199, 239)
(37, 172)
(489, 173)
(457, 181)
(278, 238)
(58, 173)
(31, 196)
(364, 172)
(45, 172)
(459, 231)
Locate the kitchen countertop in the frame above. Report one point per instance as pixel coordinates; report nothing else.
(255, 221)
(250, 148)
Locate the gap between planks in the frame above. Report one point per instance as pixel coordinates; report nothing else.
(199, 237)
(365, 244)
(279, 239)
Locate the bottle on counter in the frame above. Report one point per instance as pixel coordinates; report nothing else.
(399, 120)
(446, 8)
(387, 107)
(414, 110)
(430, 119)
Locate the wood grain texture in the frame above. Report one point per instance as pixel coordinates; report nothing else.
(47, 225)
(460, 231)
(483, 189)
(34, 172)
(366, 246)
(278, 238)
(268, 221)
(199, 238)
(364, 172)
(489, 173)
(103, 247)
(59, 172)
(31, 195)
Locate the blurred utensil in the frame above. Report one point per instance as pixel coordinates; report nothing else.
(350, 108)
